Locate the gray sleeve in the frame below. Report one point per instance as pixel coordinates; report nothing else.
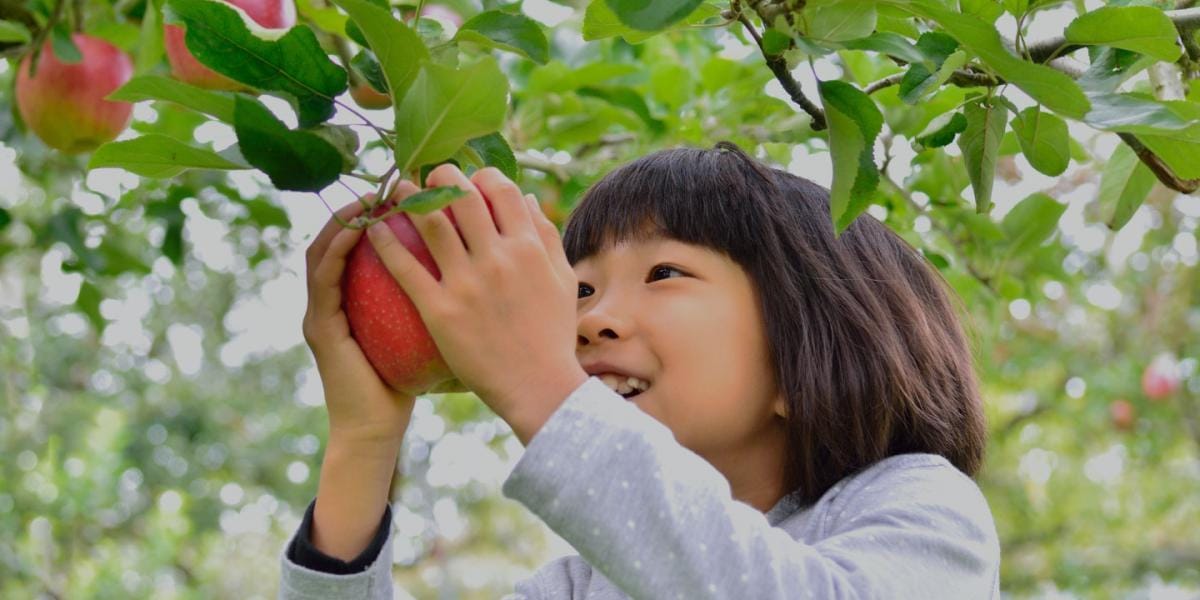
(375, 583)
(660, 522)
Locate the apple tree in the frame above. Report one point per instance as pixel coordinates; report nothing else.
(162, 163)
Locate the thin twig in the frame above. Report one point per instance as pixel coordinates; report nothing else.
(960, 78)
(778, 66)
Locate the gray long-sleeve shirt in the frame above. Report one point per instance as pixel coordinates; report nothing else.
(653, 520)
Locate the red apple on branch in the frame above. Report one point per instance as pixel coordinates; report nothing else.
(272, 14)
(63, 103)
(386, 323)
(1160, 379)
(1123, 414)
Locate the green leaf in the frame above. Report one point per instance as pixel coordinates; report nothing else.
(12, 31)
(506, 31)
(987, 10)
(599, 22)
(368, 66)
(429, 200)
(891, 44)
(150, 40)
(396, 46)
(293, 64)
(64, 47)
(627, 98)
(1124, 184)
(1031, 221)
(157, 87)
(921, 78)
(979, 144)
(446, 107)
(494, 150)
(158, 156)
(775, 42)
(327, 18)
(1052, 89)
(842, 21)
(88, 302)
(941, 131)
(1144, 29)
(652, 15)
(1044, 140)
(344, 139)
(294, 160)
(854, 123)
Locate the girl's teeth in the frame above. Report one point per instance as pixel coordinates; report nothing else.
(624, 385)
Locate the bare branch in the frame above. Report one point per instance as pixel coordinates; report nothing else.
(779, 67)
(960, 78)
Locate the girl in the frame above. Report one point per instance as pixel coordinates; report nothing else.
(739, 405)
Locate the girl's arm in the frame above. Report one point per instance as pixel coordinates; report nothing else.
(367, 421)
(658, 521)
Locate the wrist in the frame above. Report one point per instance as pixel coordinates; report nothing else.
(532, 412)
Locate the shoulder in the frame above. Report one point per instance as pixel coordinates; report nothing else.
(911, 490)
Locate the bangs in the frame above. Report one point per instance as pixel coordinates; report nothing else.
(670, 194)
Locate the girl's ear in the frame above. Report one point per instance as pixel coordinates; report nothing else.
(780, 407)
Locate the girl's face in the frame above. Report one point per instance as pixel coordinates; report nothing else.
(686, 319)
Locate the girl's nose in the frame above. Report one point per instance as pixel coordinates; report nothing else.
(601, 321)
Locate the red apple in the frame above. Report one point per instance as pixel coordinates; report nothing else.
(272, 14)
(368, 97)
(63, 103)
(386, 323)
(1160, 379)
(1122, 414)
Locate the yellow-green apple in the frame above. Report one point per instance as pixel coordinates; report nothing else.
(368, 97)
(271, 14)
(386, 323)
(63, 103)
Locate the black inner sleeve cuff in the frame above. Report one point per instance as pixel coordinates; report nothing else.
(302, 552)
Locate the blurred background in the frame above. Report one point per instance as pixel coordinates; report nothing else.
(162, 422)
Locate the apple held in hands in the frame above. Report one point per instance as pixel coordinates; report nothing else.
(272, 14)
(63, 103)
(385, 322)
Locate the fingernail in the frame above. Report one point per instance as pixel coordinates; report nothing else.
(378, 231)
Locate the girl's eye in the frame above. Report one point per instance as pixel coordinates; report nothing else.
(586, 290)
(663, 269)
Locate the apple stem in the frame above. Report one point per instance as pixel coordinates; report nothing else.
(336, 217)
(384, 183)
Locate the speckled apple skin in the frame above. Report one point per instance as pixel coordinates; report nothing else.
(272, 14)
(384, 321)
(63, 103)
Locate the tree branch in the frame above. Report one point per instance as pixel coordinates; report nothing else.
(779, 67)
(960, 78)
(529, 161)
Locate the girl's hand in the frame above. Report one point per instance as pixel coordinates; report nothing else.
(362, 408)
(503, 314)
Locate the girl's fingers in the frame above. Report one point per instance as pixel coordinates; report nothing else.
(412, 276)
(325, 282)
(470, 213)
(512, 215)
(551, 240)
(318, 247)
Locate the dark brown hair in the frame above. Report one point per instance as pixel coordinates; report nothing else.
(867, 347)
